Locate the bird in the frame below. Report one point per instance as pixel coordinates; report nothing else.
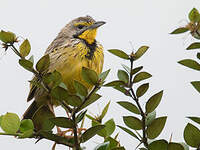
(74, 47)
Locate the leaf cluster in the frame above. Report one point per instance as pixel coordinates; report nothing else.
(191, 132)
(143, 125)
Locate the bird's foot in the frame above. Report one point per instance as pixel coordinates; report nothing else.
(64, 133)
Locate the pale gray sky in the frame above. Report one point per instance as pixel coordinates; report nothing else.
(140, 21)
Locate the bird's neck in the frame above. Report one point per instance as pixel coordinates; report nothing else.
(91, 47)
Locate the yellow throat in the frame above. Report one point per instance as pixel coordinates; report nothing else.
(89, 35)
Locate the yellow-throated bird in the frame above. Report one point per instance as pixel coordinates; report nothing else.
(74, 47)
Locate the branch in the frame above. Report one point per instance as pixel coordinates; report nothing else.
(135, 98)
(16, 51)
(53, 137)
(76, 141)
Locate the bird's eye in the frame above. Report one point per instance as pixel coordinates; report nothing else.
(80, 26)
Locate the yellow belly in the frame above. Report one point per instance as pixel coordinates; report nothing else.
(70, 60)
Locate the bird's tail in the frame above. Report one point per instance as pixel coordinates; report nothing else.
(40, 116)
(30, 111)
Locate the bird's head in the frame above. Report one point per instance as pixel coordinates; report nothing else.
(84, 28)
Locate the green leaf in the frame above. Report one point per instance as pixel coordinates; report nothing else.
(26, 125)
(119, 53)
(113, 142)
(89, 76)
(129, 132)
(180, 30)
(31, 59)
(26, 64)
(47, 78)
(153, 102)
(25, 48)
(141, 90)
(103, 146)
(104, 75)
(54, 137)
(123, 76)
(7, 37)
(80, 116)
(196, 85)
(129, 106)
(158, 145)
(10, 123)
(62, 122)
(190, 63)
(136, 70)
(43, 63)
(105, 110)
(74, 100)
(90, 117)
(195, 119)
(198, 55)
(133, 122)
(59, 93)
(150, 118)
(102, 132)
(194, 15)
(141, 51)
(36, 83)
(94, 97)
(88, 134)
(108, 130)
(156, 127)
(1, 117)
(115, 83)
(175, 146)
(186, 147)
(109, 127)
(41, 119)
(128, 69)
(192, 135)
(26, 134)
(116, 136)
(118, 148)
(141, 76)
(55, 78)
(123, 90)
(195, 45)
(80, 88)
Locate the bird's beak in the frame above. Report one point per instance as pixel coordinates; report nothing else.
(93, 26)
(96, 25)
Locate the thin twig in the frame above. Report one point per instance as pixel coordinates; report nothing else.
(76, 141)
(66, 107)
(16, 51)
(135, 98)
(144, 140)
